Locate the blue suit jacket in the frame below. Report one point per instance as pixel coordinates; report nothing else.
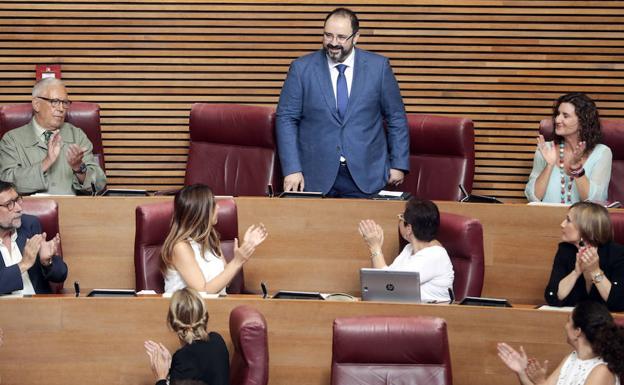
(311, 136)
(11, 277)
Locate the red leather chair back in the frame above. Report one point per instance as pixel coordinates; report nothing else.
(153, 221)
(617, 221)
(390, 350)
(462, 237)
(442, 157)
(613, 137)
(81, 114)
(232, 149)
(46, 210)
(250, 361)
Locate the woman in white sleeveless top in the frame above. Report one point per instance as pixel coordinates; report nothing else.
(191, 255)
(597, 359)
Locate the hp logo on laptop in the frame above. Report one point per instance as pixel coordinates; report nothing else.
(390, 287)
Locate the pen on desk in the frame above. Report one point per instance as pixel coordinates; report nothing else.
(77, 288)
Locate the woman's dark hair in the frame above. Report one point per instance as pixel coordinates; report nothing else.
(588, 117)
(604, 335)
(424, 218)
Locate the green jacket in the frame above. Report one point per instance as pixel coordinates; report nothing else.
(21, 154)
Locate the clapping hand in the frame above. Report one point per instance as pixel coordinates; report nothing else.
(548, 151)
(74, 156)
(48, 249)
(254, 236)
(588, 259)
(536, 372)
(372, 233)
(160, 359)
(515, 361)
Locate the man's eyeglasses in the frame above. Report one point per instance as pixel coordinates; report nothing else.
(10, 205)
(339, 38)
(56, 103)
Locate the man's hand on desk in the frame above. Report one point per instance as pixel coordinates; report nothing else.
(294, 182)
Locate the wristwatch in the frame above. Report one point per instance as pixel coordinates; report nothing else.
(81, 170)
(596, 278)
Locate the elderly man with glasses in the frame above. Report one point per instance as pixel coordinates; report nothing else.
(29, 262)
(49, 155)
(331, 115)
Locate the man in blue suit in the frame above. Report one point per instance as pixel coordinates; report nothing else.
(331, 113)
(28, 263)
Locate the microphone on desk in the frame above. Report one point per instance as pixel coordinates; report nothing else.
(265, 292)
(451, 295)
(77, 288)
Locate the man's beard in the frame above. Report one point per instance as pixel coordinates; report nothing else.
(342, 54)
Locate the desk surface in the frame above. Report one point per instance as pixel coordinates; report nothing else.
(99, 341)
(313, 244)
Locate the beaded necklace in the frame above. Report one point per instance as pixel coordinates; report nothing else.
(566, 191)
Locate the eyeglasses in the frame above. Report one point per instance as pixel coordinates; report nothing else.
(10, 205)
(56, 103)
(339, 38)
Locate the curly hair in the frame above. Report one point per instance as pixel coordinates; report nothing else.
(188, 316)
(588, 117)
(604, 335)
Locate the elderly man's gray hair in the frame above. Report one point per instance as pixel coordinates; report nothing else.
(43, 84)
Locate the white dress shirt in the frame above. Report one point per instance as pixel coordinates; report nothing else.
(13, 257)
(333, 71)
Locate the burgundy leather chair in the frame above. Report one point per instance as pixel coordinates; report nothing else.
(46, 210)
(153, 221)
(250, 361)
(390, 350)
(81, 114)
(442, 157)
(617, 220)
(613, 137)
(232, 149)
(462, 237)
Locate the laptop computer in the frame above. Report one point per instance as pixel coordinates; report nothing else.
(390, 285)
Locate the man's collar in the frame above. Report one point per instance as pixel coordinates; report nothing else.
(38, 129)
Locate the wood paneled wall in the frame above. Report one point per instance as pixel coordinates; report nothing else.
(501, 63)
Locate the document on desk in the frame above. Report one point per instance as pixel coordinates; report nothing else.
(556, 308)
(202, 293)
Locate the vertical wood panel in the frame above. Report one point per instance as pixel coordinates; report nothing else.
(501, 63)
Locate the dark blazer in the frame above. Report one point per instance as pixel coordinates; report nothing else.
(611, 261)
(311, 136)
(11, 277)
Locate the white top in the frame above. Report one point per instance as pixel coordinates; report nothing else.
(13, 258)
(435, 268)
(210, 265)
(575, 371)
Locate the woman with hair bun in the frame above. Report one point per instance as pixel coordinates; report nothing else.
(597, 359)
(575, 166)
(203, 355)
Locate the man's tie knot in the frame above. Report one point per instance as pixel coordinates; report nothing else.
(341, 68)
(47, 134)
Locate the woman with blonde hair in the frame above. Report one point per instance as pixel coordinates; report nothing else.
(191, 254)
(203, 355)
(588, 263)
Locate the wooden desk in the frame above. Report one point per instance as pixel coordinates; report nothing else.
(99, 341)
(313, 244)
